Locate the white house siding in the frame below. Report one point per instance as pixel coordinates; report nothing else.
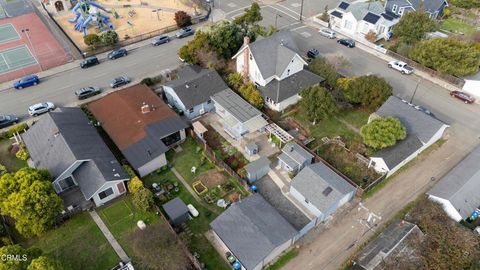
(299, 197)
(349, 23)
(295, 65)
(116, 192)
(253, 70)
(447, 207)
(154, 164)
(277, 251)
(199, 110)
(172, 98)
(378, 164)
(287, 102)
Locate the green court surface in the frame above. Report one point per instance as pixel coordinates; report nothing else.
(7, 32)
(16, 58)
(2, 13)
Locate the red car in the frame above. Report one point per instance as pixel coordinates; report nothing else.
(467, 99)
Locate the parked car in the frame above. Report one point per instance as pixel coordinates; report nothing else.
(26, 81)
(313, 53)
(117, 53)
(7, 120)
(87, 92)
(40, 108)
(400, 66)
(466, 98)
(184, 32)
(160, 40)
(350, 43)
(89, 62)
(327, 33)
(119, 81)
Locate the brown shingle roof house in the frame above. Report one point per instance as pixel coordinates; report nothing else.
(142, 126)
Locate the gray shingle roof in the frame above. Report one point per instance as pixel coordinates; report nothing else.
(257, 165)
(64, 136)
(312, 182)
(274, 53)
(400, 151)
(360, 9)
(415, 121)
(252, 229)
(175, 208)
(236, 105)
(428, 5)
(278, 91)
(460, 186)
(296, 152)
(195, 85)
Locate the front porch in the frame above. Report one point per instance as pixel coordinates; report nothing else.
(73, 199)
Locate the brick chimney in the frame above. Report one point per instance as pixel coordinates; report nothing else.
(246, 58)
(145, 108)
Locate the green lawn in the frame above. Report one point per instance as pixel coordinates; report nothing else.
(189, 157)
(356, 118)
(456, 26)
(77, 244)
(10, 161)
(283, 259)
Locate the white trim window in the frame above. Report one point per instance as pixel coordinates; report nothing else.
(394, 8)
(348, 25)
(401, 11)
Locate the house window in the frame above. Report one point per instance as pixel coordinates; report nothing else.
(394, 8)
(209, 101)
(288, 72)
(191, 110)
(401, 11)
(307, 201)
(102, 195)
(251, 57)
(348, 25)
(172, 138)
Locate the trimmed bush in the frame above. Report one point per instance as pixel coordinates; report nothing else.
(22, 154)
(135, 184)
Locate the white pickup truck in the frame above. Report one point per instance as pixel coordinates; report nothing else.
(400, 66)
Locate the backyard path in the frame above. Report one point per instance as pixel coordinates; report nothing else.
(348, 125)
(113, 242)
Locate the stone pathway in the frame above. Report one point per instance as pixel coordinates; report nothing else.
(113, 242)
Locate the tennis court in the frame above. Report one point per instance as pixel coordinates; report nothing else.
(8, 33)
(16, 58)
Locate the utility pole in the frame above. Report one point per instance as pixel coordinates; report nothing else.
(301, 12)
(415, 91)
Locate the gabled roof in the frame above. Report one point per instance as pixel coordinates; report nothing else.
(196, 85)
(65, 136)
(360, 9)
(460, 186)
(273, 54)
(236, 105)
(296, 153)
(392, 156)
(252, 229)
(416, 122)
(427, 5)
(278, 91)
(321, 186)
(135, 133)
(175, 208)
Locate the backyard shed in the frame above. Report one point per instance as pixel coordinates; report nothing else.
(257, 169)
(251, 149)
(199, 129)
(177, 211)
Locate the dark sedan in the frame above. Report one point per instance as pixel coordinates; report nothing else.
(119, 81)
(346, 42)
(87, 92)
(466, 98)
(117, 53)
(7, 120)
(185, 32)
(313, 53)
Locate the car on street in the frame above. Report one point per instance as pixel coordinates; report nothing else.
(327, 33)
(401, 66)
(26, 81)
(184, 32)
(466, 98)
(350, 43)
(119, 81)
(160, 40)
(7, 120)
(87, 92)
(89, 62)
(117, 53)
(40, 108)
(313, 53)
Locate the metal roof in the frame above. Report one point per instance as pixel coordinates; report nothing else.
(236, 105)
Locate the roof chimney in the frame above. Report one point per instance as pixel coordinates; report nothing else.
(246, 40)
(246, 58)
(145, 108)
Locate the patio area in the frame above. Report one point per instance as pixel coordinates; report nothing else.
(265, 147)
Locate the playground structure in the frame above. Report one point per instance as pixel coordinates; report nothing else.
(88, 13)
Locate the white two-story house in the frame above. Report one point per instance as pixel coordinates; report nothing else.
(277, 69)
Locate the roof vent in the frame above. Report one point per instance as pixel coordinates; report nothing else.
(186, 85)
(327, 191)
(117, 175)
(145, 108)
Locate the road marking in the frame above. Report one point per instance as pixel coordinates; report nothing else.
(298, 28)
(282, 12)
(296, 5)
(305, 34)
(288, 25)
(289, 9)
(236, 10)
(232, 5)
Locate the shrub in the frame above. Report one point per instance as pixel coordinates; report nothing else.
(3, 169)
(109, 38)
(22, 154)
(143, 199)
(135, 184)
(371, 36)
(383, 132)
(91, 40)
(182, 18)
(129, 171)
(17, 128)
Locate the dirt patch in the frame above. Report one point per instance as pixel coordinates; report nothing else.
(211, 178)
(293, 124)
(234, 197)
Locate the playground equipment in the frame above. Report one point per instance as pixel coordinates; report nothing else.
(88, 13)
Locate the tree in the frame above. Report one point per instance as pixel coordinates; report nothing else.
(91, 40)
(182, 19)
(235, 81)
(370, 91)
(251, 16)
(22, 154)
(324, 69)
(134, 184)
(109, 37)
(225, 39)
(44, 263)
(22, 257)
(250, 93)
(325, 16)
(317, 103)
(28, 197)
(383, 132)
(189, 52)
(450, 56)
(413, 26)
(143, 199)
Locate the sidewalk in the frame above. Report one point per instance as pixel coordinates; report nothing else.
(388, 58)
(113, 242)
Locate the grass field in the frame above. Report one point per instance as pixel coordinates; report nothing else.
(77, 244)
(8, 160)
(456, 26)
(188, 158)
